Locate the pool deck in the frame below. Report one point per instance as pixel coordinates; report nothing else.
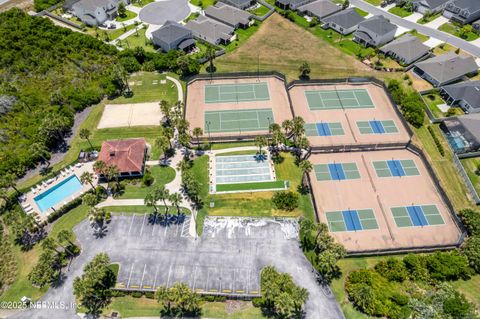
(30, 206)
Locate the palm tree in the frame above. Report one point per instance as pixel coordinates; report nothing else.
(260, 141)
(166, 109)
(306, 167)
(168, 133)
(303, 144)
(175, 200)
(89, 199)
(287, 126)
(98, 216)
(85, 135)
(151, 199)
(49, 243)
(210, 56)
(184, 140)
(65, 235)
(112, 172)
(197, 132)
(7, 181)
(163, 144)
(87, 177)
(163, 195)
(182, 126)
(40, 150)
(298, 127)
(100, 167)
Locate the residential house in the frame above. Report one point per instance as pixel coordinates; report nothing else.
(319, 9)
(463, 132)
(375, 31)
(476, 26)
(229, 15)
(446, 68)
(210, 30)
(463, 11)
(127, 155)
(432, 6)
(173, 36)
(344, 22)
(96, 12)
(291, 4)
(240, 4)
(464, 94)
(406, 49)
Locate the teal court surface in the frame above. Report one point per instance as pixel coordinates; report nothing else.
(351, 220)
(336, 171)
(377, 127)
(397, 168)
(238, 120)
(338, 99)
(236, 92)
(417, 216)
(324, 129)
(242, 169)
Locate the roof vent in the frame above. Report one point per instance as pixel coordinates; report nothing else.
(112, 153)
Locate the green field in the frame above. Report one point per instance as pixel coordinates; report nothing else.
(128, 15)
(135, 189)
(456, 31)
(250, 186)
(399, 11)
(138, 39)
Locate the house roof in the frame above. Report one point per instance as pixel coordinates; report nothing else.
(127, 155)
(467, 125)
(320, 8)
(91, 5)
(171, 31)
(186, 43)
(432, 4)
(210, 28)
(448, 66)
(471, 5)
(378, 25)
(346, 18)
(466, 91)
(408, 47)
(238, 2)
(228, 14)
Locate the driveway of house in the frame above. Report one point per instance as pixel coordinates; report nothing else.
(414, 17)
(226, 259)
(435, 24)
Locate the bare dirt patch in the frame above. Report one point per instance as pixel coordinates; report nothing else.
(127, 115)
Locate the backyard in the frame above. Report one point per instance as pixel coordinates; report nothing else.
(138, 39)
(472, 166)
(433, 100)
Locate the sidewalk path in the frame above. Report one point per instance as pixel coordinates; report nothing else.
(444, 37)
(179, 87)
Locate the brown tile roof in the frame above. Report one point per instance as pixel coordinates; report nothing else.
(127, 155)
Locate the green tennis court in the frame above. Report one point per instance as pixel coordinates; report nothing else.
(338, 99)
(377, 127)
(238, 92)
(238, 120)
(351, 220)
(396, 168)
(417, 216)
(324, 129)
(336, 171)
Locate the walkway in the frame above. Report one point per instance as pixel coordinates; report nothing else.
(444, 37)
(179, 87)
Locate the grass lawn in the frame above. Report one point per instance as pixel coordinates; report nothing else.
(162, 175)
(424, 19)
(433, 100)
(399, 11)
(144, 307)
(470, 165)
(242, 36)
(142, 3)
(361, 12)
(260, 10)
(222, 146)
(192, 16)
(69, 220)
(267, 46)
(456, 31)
(128, 15)
(422, 37)
(237, 153)
(251, 186)
(374, 2)
(444, 167)
(137, 40)
(142, 209)
(471, 289)
(202, 3)
(110, 34)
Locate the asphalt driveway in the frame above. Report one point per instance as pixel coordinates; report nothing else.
(226, 259)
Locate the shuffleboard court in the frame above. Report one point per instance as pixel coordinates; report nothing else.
(338, 99)
(236, 92)
(417, 216)
(336, 171)
(238, 120)
(324, 129)
(351, 220)
(377, 127)
(242, 169)
(396, 168)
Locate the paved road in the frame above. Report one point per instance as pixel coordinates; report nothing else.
(230, 254)
(445, 37)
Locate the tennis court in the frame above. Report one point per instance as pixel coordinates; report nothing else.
(242, 169)
(351, 220)
(417, 216)
(238, 120)
(396, 168)
(236, 92)
(377, 127)
(338, 99)
(324, 129)
(336, 171)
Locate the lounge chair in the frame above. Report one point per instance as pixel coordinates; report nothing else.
(29, 209)
(25, 205)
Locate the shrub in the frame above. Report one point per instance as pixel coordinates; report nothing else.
(448, 266)
(147, 179)
(457, 306)
(471, 250)
(285, 200)
(149, 295)
(416, 267)
(471, 220)
(137, 294)
(393, 269)
(439, 145)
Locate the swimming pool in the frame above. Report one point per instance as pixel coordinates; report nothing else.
(58, 193)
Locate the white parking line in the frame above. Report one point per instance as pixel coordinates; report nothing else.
(154, 223)
(155, 279)
(130, 276)
(143, 276)
(131, 224)
(169, 272)
(194, 277)
(143, 223)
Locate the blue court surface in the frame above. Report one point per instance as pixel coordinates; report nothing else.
(324, 129)
(396, 168)
(336, 171)
(417, 216)
(351, 220)
(377, 127)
